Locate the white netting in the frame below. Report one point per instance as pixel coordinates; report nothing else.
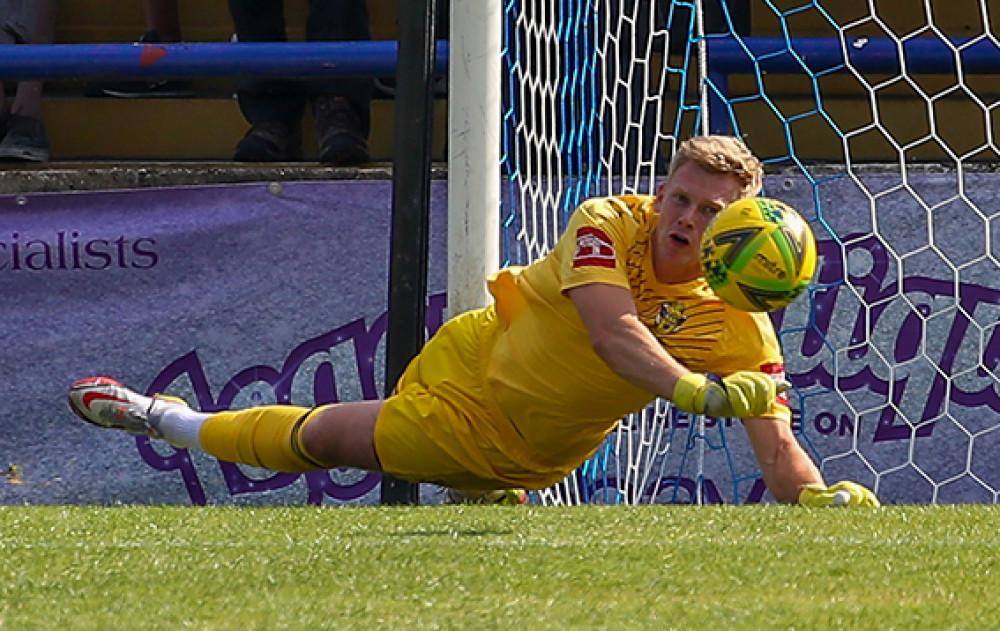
(876, 121)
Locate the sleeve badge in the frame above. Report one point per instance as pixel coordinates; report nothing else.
(594, 249)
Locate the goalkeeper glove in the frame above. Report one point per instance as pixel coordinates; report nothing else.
(840, 494)
(740, 394)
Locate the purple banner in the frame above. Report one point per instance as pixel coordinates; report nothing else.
(240, 295)
(228, 296)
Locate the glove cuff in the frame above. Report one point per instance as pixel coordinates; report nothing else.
(686, 392)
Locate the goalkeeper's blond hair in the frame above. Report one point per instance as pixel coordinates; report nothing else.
(725, 155)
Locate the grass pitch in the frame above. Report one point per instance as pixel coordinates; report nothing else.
(491, 567)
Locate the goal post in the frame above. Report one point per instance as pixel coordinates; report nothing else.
(473, 151)
(876, 121)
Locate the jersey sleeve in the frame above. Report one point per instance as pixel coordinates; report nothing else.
(750, 343)
(593, 247)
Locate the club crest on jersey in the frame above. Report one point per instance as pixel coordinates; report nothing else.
(670, 318)
(594, 248)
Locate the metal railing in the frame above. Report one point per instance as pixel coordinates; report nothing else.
(289, 60)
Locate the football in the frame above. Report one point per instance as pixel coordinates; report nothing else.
(758, 254)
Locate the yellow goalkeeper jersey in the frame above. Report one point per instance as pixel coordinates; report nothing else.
(543, 372)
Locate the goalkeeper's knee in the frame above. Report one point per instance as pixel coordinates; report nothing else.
(840, 494)
(267, 436)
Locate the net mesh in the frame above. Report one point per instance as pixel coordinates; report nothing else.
(876, 121)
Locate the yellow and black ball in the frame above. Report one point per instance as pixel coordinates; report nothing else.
(758, 254)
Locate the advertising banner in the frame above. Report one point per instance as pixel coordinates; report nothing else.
(239, 295)
(228, 296)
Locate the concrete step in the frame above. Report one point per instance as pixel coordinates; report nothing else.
(92, 21)
(186, 129)
(62, 176)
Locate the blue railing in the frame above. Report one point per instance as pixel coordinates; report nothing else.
(879, 55)
(728, 55)
(225, 59)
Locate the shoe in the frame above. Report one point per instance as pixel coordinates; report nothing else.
(142, 88)
(339, 131)
(104, 402)
(271, 141)
(25, 139)
(500, 497)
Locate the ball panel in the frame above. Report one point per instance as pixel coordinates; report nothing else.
(744, 246)
(755, 298)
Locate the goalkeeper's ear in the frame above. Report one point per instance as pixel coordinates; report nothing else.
(840, 494)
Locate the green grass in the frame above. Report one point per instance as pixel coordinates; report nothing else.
(489, 567)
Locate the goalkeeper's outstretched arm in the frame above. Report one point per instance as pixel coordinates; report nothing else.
(630, 350)
(789, 472)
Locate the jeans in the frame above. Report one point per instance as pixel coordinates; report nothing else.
(285, 100)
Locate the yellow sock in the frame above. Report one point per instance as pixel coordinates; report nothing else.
(266, 436)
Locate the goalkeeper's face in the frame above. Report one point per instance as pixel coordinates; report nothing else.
(686, 202)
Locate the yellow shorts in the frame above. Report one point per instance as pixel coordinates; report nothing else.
(442, 425)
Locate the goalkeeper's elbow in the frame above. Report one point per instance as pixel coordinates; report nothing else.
(840, 494)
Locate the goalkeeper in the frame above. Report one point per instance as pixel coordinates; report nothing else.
(520, 393)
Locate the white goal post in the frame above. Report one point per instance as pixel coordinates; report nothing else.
(473, 151)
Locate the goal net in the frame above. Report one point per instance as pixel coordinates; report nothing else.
(874, 119)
